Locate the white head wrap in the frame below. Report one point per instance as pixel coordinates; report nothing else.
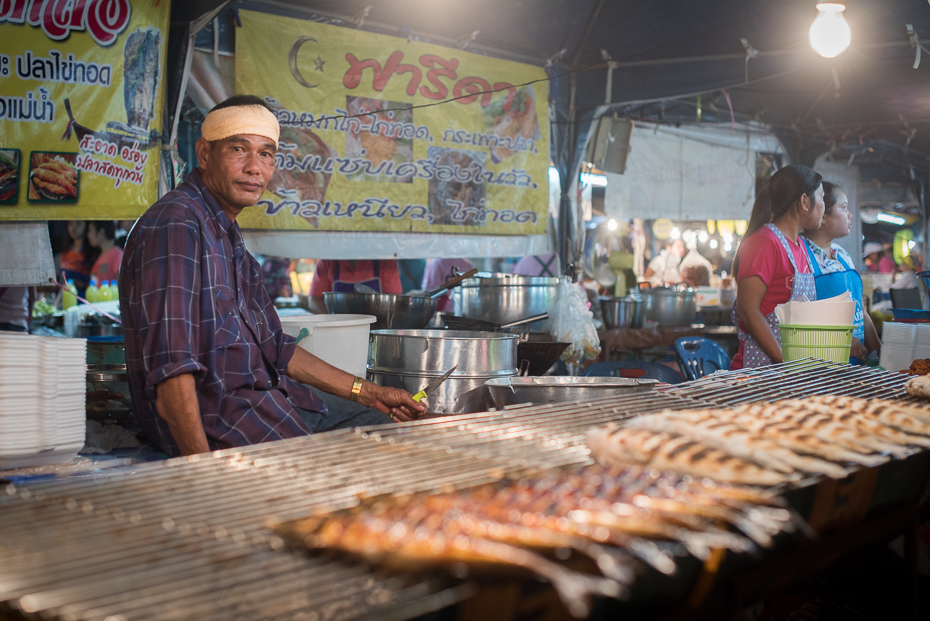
(238, 120)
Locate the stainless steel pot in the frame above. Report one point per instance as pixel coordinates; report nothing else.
(622, 312)
(503, 298)
(93, 324)
(410, 359)
(669, 306)
(394, 311)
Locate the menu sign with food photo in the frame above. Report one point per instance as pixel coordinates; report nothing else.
(371, 141)
(81, 96)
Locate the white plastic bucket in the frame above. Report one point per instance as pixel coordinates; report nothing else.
(340, 340)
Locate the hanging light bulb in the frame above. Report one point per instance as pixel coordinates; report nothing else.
(830, 34)
(611, 225)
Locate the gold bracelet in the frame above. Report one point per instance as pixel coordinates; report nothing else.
(356, 389)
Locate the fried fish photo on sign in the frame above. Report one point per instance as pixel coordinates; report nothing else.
(53, 177)
(382, 143)
(451, 200)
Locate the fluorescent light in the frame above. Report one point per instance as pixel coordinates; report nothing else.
(675, 233)
(612, 225)
(890, 218)
(554, 178)
(713, 243)
(829, 34)
(595, 180)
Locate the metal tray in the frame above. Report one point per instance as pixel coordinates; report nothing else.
(541, 390)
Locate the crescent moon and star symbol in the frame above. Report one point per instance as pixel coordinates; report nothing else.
(318, 62)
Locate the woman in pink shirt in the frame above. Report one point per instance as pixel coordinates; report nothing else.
(772, 265)
(102, 235)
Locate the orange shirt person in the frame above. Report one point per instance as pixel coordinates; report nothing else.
(102, 235)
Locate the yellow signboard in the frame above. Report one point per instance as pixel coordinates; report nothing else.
(81, 95)
(381, 133)
(662, 228)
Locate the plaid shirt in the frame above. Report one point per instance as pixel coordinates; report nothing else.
(193, 301)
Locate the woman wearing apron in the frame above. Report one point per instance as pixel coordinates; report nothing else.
(834, 271)
(772, 265)
(342, 276)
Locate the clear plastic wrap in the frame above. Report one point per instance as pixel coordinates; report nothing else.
(572, 322)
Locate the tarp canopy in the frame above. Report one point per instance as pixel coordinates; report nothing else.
(876, 79)
(694, 172)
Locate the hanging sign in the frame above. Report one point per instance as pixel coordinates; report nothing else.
(369, 140)
(81, 94)
(662, 228)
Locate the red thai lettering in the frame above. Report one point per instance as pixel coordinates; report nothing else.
(415, 77)
(34, 16)
(512, 92)
(353, 76)
(105, 19)
(12, 11)
(77, 15)
(466, 91)
(446, 68)
(56, 18)
(475, 87)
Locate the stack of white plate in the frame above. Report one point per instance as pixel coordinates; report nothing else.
(922, 340)
(42, 391)
(899, 344)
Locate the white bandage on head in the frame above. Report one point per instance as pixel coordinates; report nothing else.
(239, 120)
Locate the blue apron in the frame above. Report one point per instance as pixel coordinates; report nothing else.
(802, 287)
(341, 286)
(837, 283)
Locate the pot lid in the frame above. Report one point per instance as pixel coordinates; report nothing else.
(489, 279)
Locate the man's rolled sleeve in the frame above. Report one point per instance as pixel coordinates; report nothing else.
(171, 272)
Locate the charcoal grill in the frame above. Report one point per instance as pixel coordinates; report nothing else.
(188, 538)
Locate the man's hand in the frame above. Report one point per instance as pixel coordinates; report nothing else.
(397, 403)
(308, 369)
(858, 350)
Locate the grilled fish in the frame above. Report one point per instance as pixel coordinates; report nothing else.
(637, 493)
(666, 451)
(706, 427)
(800, 440)
(398, 541)
(825, 427)
(874, 425)
(912, 420)
(474, 516)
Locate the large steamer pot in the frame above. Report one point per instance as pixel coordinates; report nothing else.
(411, 359)
(394, 311)
(622, 312)
(670, 306)
(502, 298)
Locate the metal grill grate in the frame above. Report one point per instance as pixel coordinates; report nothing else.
(795, 380)
(188, 538)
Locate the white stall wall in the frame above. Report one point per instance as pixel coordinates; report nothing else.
(696, 172)
(847, 178)
(25, 254)
(359, 245)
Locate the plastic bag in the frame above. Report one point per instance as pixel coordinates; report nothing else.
(572, 322)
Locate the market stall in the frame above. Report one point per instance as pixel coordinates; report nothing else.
(179, 540)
